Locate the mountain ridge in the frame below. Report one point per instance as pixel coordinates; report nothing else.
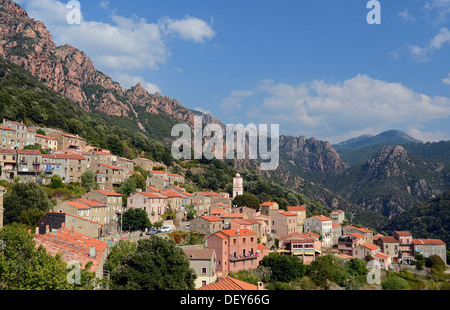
(392, 136)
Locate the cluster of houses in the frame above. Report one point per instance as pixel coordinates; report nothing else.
(236, 238)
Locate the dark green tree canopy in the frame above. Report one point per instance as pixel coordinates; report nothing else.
(157, 264)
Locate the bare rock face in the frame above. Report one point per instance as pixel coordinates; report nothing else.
(67, 70)
(312, 154)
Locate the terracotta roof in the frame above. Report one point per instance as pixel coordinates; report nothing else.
(261, 246)
(371, 246)
(171, 193)
(175, 175)
(73, 246)
(108, 193)
(211, 218)
(7, 128)
(229, 284)
(268, 203)
(199, 254)
(333, 224)
(91, 202)
(153, 188)
(28, 152)
(403, 233)
(236, 232)
(356, 235)
(45, 137)
(428, 242)
(381, 255)
(110, 167)
(7, 151)
(388, 239)
(233, 215)
(69, 156)
(153, 195)
(287, 213)
(296, 208)
(321, 217)
(77, 204)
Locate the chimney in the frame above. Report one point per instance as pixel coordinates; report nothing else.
(36, 231)
(63, 226)
(54, 231)
(260, 286)
(237, 231)
(47, 229)
(92, 251)
(71, 230)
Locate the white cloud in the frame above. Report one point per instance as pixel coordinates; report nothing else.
(428, 136)
(423, 54)
(405, 15)
(446, 80)
(335, 110)
(203, 111)
(440, 8)
(234, 101)
(189, 28)
(124, 44)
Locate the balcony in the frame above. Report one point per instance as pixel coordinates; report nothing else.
(243, 257)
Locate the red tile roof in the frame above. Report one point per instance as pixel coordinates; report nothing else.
(371, 246)
(428, 242)
(73, 247)
(153, 195)
(77, 204)
(91, 202)
(229, 284)
(236, 232)
(110, 167)
(296, 208)
(69, 156)
(108, 193)
(321, 217)
(28, 152)
(211, 218)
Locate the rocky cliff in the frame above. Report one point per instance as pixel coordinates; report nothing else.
(69, 71)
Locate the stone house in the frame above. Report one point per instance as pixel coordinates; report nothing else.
(67, 142)
(300, 211)
(144, 163)
(8, 138)
(8, 164)
(157, 181)
(203, 261)
(56, 220)
(429, 247)
(347, 243)
(46, 142)
(366, 249)
(283, 222)
(268, 205)
(236, 250)
(207, 224)
(321, 225)
(107, 176)
(29, 164)
(111, 199)
(406, 247)
(155, 204)
(73, 165)
(388, 245)
(338, 216)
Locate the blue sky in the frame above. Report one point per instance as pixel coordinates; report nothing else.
(315, 67)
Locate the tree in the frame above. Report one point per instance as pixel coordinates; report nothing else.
(326, 268)
(393, 282)
(23, 266)
(247, 200)
(157, 264)
(117, 253)
(136, 219)
(88, 180)
(56, 181)
(285, 268)
(24, 198)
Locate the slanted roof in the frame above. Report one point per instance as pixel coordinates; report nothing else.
(73, 246)
(108, 193)
(229, 284)
(428, 242)
(296, 208)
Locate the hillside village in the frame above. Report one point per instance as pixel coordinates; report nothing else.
(235, 238)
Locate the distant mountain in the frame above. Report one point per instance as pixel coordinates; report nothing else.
(390, 136)
(428, 220)
(392, 181)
